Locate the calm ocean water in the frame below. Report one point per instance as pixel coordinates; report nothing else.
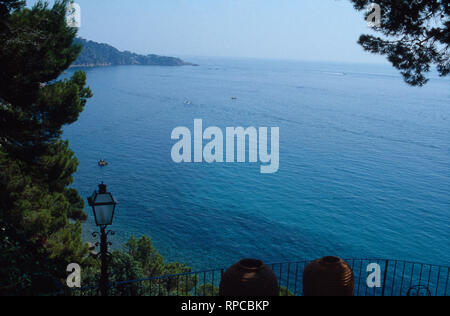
(364, 161)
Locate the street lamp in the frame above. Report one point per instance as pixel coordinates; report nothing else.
(103, 205)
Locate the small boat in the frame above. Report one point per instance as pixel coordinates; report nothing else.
(102, 163)
(233, 98)
(187, 102)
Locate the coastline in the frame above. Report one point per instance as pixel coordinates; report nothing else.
(110, 65)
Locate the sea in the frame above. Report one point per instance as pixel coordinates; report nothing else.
(364, 161)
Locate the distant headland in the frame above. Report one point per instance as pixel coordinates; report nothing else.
(101, 55)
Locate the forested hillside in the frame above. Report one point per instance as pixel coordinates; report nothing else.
(96, 54)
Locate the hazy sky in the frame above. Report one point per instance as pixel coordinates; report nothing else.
(325, 30)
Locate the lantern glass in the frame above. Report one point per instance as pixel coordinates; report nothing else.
(104, 206)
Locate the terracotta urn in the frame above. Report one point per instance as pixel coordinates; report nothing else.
(329, 276)
(249, 277)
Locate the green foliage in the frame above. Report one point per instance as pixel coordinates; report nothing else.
(180, 285)
(6, 7)
(151, 264)
(208, 290)
(41, 215)
(143, 251)
(416, 36)
(35, 51)
(125, 267)
(25, 269)
(96, 54)
(140, 261)
(284, 291)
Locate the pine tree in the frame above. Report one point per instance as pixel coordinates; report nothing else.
(40, 217)
(416, 35)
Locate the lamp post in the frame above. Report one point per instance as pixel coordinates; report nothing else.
(103, 205)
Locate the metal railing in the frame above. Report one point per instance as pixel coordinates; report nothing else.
(396, 278)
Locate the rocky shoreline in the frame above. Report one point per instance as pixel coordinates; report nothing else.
(103, 55)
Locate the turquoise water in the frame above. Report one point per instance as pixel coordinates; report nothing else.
(364, 161)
